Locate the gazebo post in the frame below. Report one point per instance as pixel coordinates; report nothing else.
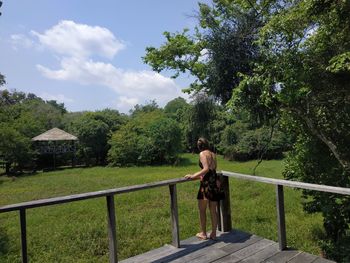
(73, 157)
(54, 155)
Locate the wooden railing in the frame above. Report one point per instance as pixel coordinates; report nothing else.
(225, 223)
(281, 223)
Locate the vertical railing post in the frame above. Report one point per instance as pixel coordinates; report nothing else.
(225, 224)
(113, 257)
(282, 240)
(174, 216)
(22, 218)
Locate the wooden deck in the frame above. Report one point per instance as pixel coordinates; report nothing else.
(235, 246)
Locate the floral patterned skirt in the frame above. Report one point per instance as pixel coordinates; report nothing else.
(209, 189)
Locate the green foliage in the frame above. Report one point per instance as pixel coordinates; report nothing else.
(148, 107)
(2, 80)
(148, 138)
(181, 53)
(221, 47)
(93, 130)
(176, 108)
(306, 52)
(22, 117)
(15, 148)
(256, 144)
(313, 162)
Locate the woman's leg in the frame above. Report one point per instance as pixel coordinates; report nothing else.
(202, 205)
(214, 217)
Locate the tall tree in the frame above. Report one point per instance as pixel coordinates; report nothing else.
(304, 76)
(221, 48)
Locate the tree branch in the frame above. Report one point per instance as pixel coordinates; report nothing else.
(320, 135)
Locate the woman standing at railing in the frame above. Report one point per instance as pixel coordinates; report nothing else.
(209, 193)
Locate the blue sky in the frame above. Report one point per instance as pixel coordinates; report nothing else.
(87, 54)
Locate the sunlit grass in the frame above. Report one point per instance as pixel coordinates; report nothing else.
(77, 232)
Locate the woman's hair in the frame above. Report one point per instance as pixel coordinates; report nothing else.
(203, 144)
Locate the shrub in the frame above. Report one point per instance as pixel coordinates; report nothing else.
(255, 143)
(148, 138)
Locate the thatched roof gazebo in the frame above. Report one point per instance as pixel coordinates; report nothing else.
(55, 134)
(47, 143)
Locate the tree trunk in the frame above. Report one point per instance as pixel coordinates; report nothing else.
(7, 168)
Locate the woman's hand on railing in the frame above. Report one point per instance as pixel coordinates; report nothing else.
(189, 176)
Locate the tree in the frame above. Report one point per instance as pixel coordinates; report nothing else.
(93, 134)
(23, 116)
(2, 80)
(94, 129)
(15, 148)
(148, 107)
(148, 138)
(304, 76)
(176, 107)
(221, 48)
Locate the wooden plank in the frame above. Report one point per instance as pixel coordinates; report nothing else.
(211, 255)
(248, 249)
(281, 222)
(153, 255)
(225, 224)
(323, 260)
(89, 195)
(22, 218)
(188, 246)
(193, 255)
(293, 184)
(228, 237)
(112, 236)
(174, 216)
(195, 248)
(303, 258)
(231, 248)
(282, 256)
(240, 254)
(261, 255)
(253, 248)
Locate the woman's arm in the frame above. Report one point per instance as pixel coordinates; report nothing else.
(204, 160)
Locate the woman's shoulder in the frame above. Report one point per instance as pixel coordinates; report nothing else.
(207, 153)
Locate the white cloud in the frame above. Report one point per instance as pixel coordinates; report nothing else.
(124, 103)
(132, 86)
(204, 55)
(76, 44)
(79, 40)
(57, 97)
(20, 40)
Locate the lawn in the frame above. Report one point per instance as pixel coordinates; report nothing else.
(77, 232)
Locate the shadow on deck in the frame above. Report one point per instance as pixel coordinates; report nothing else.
(234, 246)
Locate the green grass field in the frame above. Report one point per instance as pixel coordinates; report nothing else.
(77, 232)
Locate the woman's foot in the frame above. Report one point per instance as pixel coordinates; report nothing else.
(202, 236)
(212, 236)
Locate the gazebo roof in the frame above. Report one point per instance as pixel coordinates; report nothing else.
(55, 134)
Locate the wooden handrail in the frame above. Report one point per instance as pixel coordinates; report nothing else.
(109, 194)
(89, 195)
(225, 212)
(279, 183)
(293, 184)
